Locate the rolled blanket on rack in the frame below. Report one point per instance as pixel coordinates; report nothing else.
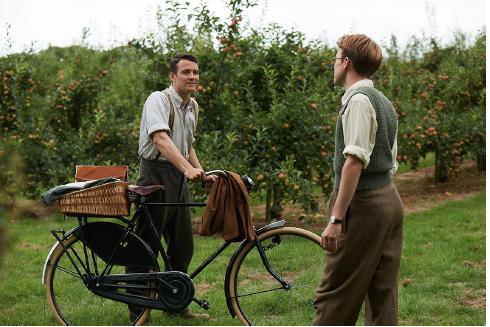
(52, 195)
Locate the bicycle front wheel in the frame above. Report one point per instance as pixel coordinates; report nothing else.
(69, 298)
(257, 297)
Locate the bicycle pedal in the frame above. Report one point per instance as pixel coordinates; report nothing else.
(202, 303)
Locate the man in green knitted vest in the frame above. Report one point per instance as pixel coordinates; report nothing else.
(363, 238)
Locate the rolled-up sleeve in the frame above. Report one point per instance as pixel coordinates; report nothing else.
(359, 127)
(394, 153)
(157, 113)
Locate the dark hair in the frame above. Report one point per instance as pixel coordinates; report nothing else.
(364, 53)
(177, 58)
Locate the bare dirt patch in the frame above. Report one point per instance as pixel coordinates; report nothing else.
(25, 208)
(472, 264)
(31, 246)
(479, 303)
(474, 298)
(203, 287)
(417, 189)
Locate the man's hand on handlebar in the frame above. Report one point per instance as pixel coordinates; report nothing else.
(195, 174)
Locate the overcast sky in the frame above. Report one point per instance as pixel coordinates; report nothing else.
(112, 22)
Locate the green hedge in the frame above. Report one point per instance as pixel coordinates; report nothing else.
(268, 103)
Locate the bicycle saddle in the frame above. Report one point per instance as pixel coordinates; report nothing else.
(145, 190)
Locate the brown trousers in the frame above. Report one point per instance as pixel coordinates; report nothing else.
(174, 223)
(366, 264)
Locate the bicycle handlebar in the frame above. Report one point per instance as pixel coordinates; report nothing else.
(247, 180)
(216, 172)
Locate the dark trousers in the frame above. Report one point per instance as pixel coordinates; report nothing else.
(173, 223)
(366, 264)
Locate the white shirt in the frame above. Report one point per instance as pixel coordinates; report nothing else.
(155, 117)
(360, 126)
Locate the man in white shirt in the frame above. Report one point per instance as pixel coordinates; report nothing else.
(363, 238)
(167, 157)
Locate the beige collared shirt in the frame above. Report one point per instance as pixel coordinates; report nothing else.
(360, 126)
(155, 117)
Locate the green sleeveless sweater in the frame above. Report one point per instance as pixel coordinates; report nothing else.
(377, 173)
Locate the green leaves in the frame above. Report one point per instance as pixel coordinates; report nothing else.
(267, 99)
(437, 94)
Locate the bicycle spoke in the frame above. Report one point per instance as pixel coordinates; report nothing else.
(71, 248)
(69, 272)
(265, 291)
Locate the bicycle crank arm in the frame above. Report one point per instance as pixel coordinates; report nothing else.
(202, 303)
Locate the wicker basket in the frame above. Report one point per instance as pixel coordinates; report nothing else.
(104, 200)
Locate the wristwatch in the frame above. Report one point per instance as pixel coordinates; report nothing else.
(334, 220)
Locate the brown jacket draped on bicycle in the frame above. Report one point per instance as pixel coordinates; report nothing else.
(227, 210)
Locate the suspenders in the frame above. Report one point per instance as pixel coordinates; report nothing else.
(171, 115)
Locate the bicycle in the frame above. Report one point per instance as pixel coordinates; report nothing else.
(85, 271)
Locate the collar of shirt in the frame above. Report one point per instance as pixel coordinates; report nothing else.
(177, 99)
(353, 87)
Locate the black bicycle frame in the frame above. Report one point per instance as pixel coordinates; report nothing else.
(142, 212)
(216, 253)
(144, 206)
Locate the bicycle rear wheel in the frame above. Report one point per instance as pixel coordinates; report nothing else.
(69, 298)
(257, 298)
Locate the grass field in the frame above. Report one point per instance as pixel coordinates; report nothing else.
(442, 277)
(443, 265)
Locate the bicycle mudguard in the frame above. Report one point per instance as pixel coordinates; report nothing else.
(103, 237)
(270, 226)
(259, 231)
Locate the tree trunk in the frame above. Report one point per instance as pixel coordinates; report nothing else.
(481, 161)
(268, 204)
(3, 241)
(441, 173)
(276, 209)
(77, 119)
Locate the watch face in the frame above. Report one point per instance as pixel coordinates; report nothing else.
(332, 220)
